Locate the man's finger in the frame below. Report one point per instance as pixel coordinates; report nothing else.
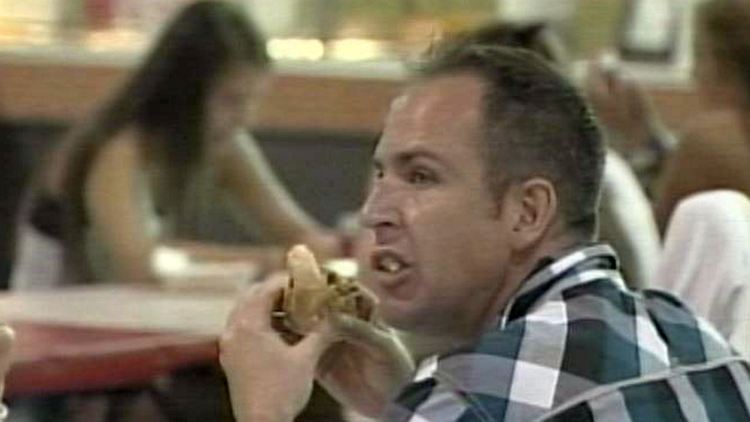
(257, 302)
(363, 333)
(316, 343)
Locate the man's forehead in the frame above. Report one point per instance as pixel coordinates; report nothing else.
(459, 91)
(442, 100)
(436, 110)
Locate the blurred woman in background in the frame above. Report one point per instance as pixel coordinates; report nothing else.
(171, 146)
(716, 153)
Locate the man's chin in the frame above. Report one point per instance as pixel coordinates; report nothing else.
(396, 314)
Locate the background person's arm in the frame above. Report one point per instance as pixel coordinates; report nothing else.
(251, 180)
(121, 212)
(118, 208)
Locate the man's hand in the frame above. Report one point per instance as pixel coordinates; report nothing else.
(366, 368)
(269, 379)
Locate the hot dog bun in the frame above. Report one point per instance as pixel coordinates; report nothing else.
(312, 292)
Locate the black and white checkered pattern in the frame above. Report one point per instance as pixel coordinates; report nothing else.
(575, 344)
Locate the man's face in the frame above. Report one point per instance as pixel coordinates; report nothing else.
(436, 249)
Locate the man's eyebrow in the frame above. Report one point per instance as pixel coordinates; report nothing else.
(406, 157)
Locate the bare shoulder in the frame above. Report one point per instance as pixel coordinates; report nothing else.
(124, 145)
(711, 154)
(713, 134)
(117, 160)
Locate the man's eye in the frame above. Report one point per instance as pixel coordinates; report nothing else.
(421, 177)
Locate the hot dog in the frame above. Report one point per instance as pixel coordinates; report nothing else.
(312, 292)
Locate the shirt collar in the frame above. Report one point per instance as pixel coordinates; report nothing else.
(551, 270)
(545, 276)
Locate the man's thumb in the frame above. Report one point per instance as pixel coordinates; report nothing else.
(316, 343)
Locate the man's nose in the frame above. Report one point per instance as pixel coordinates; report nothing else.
(380, 212)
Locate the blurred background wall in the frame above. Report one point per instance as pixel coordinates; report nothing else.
(338, 65)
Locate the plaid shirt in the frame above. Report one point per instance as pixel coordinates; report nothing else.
(575, 344)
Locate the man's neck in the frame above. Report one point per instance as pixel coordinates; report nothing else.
(523, 265)
(422, 345)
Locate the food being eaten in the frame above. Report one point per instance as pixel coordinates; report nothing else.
(312, 292)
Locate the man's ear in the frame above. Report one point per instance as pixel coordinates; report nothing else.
(533, 207)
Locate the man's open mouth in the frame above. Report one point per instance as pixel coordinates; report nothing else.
(388, 262)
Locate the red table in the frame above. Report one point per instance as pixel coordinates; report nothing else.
(53, 358)
(100, 338)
